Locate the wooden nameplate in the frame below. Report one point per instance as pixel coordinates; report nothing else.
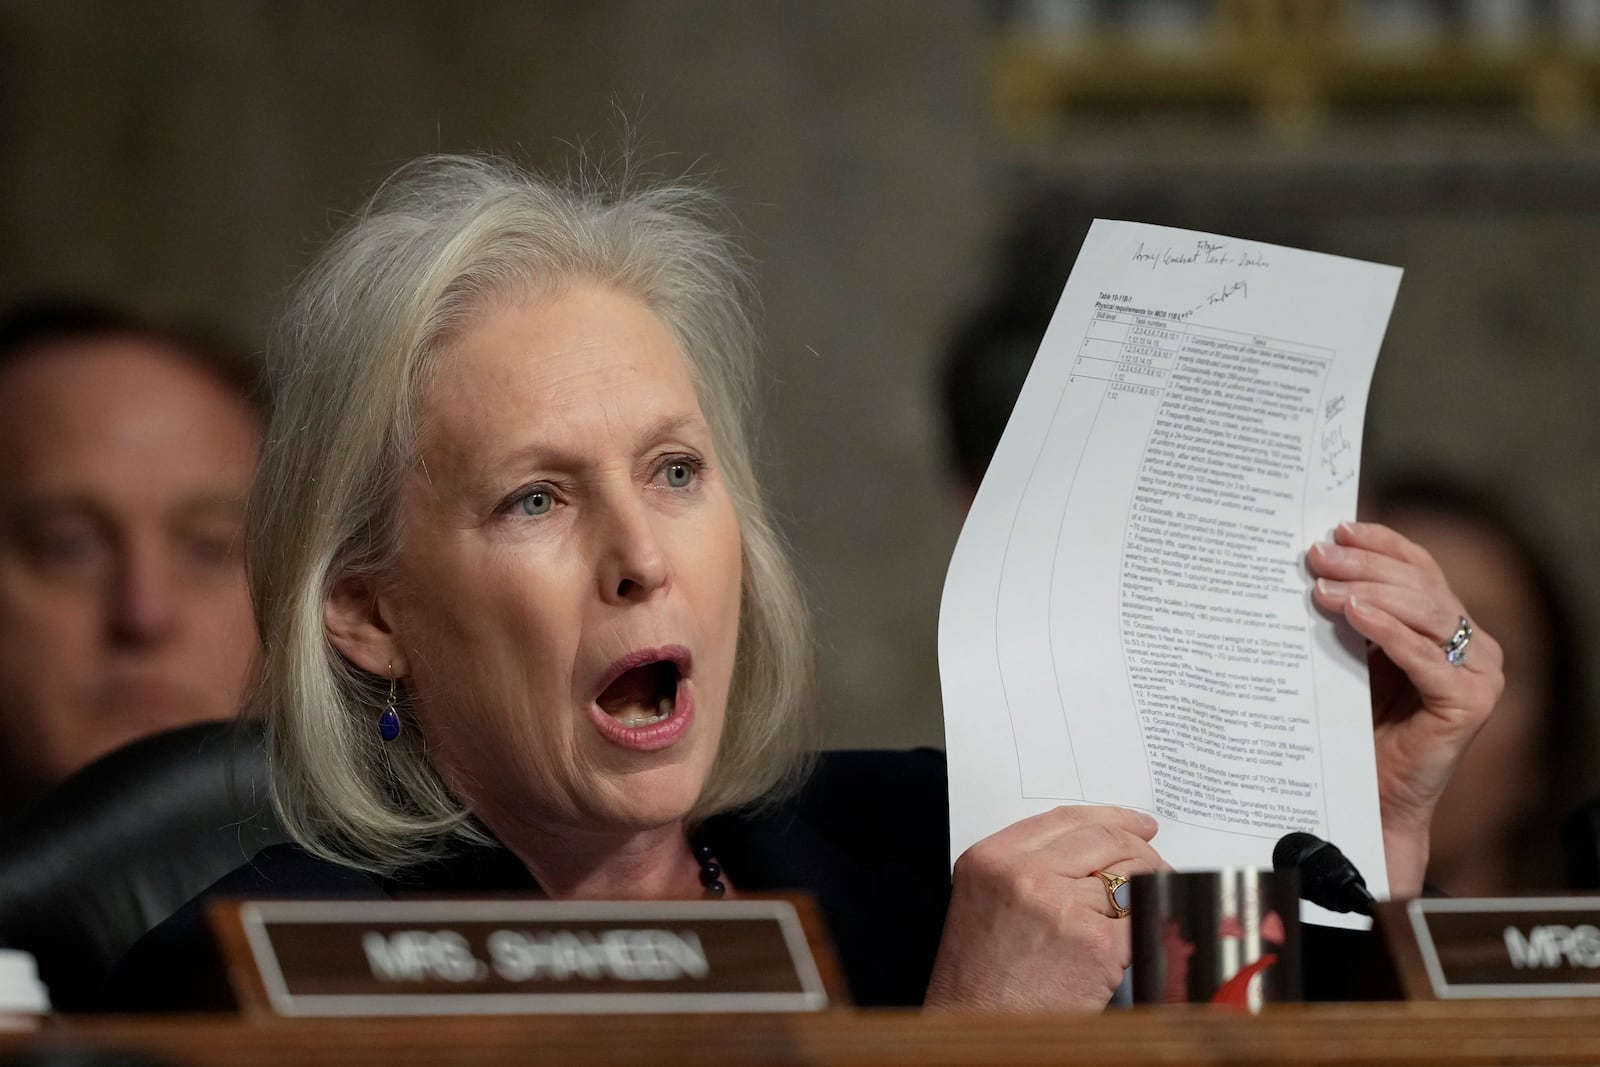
(515, 956)
(1504, 947)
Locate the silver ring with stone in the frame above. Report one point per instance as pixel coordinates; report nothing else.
(1455, 649)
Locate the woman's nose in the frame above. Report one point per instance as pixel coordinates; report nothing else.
(632, 564)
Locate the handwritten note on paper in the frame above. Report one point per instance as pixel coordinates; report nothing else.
(1127, 616)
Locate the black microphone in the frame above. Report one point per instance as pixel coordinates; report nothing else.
(1327, 878)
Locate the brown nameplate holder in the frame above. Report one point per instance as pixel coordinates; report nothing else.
(503, 956)
(1452, 949)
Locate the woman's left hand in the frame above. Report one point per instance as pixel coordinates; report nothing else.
(1425, 710)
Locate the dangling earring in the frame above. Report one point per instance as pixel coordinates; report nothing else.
(389, 721)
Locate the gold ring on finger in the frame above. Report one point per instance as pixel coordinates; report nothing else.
(1113, 882)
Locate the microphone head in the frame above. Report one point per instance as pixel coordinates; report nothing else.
(1327, 877)
(1294, 849)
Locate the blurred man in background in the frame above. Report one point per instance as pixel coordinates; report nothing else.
(126, 453)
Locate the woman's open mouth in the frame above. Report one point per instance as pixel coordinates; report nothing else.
(647, 701)
(643, 695)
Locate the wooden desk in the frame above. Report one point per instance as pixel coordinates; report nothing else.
(1490, 1032)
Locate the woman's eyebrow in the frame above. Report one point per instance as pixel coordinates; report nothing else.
(555, 454)
(669, 426)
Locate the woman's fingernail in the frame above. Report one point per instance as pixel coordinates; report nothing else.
(1328, 587)
(1357, 606)
(1347, 528)
(1329, 551)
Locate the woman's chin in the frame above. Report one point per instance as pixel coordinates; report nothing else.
(649, 789)
(651, 799)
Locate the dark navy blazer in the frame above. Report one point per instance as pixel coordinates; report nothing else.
(868, 836)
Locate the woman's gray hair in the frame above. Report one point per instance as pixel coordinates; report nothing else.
(364, 329)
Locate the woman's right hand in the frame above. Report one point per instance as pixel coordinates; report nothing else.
(1030, 927)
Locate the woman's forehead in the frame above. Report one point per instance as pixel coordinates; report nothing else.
(589, 363)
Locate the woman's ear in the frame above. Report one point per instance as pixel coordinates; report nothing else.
(354, 618)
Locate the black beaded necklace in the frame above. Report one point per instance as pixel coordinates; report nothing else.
(710, 870)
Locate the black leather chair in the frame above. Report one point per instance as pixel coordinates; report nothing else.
(113, 851)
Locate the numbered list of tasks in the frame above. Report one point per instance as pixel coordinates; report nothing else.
(1211, 554)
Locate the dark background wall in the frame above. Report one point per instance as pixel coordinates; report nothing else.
(188, 155)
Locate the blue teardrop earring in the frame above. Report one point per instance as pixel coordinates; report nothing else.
(389, 721)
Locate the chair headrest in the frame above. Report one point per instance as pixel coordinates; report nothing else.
(114, 850)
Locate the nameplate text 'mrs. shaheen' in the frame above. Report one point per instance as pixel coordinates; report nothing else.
(503, 956)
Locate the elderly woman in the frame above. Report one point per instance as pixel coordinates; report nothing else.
(528, 625)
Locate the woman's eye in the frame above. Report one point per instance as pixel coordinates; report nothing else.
(537, 502)
(679, 474)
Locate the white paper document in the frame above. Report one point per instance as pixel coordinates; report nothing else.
(1127, 618)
